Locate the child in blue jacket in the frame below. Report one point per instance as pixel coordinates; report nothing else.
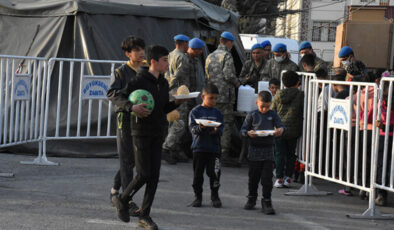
(261, 150)
(206, 145)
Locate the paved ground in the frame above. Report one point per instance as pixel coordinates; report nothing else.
(75, 195)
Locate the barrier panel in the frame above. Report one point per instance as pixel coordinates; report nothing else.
(340, 139)
(384, 149)
(22, 96)
(77, 107)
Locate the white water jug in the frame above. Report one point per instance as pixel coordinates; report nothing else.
(246, 98)
(263, 85)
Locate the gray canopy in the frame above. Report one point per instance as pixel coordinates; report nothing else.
(94, 29)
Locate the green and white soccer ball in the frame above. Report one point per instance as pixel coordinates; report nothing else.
(142, 96)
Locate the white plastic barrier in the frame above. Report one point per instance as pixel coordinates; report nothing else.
(386, 152)
(76, 107)
(336, 145)
(22, 96)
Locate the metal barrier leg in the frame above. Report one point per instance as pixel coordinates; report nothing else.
(42, 157)
(371, 213)
(307, 189)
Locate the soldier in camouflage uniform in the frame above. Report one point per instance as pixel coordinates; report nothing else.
(306, 48)
(252, 69)
(355, 69)
(280, 62)
(177, 75)
(220, 71)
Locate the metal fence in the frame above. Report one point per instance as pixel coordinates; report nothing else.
(57, 99)
(341, 141)
(384, 149)
(77, 107)
(22, 97)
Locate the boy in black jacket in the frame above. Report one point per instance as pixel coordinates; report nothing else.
(261, 150)
(134, 49)
(147, 131)
(206, 145)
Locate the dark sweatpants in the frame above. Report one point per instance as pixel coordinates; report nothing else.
(125, 150)
(260, 171)
(147, 151)
(209, 162)
(285, 157)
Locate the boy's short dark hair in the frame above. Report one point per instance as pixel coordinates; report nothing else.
(321, 73)
(308, 59)
(290, 79)
(155, 52)
(338, 77)
(210, 89)
(274, 81)
(264, 96)
(132, 42)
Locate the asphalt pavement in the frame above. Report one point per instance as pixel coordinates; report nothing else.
(75, 195)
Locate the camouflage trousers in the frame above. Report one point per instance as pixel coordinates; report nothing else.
(228, 115)
(178, 130)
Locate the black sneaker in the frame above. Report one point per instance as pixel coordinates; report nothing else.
(216, 202)
(250, 204)
(111, 196)
(266, 207)
(147, 223)
(134, 210)
(181, 157)
(121, 209)
(196, 203)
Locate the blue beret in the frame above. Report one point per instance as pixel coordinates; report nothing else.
(196, 43)
(181, 37)
(280, 47)
(227, 35)
(256, 46)
(265, 44)
(304, 45)
(345, 51)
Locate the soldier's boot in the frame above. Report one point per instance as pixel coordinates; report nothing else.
(168, 157)
(228, 161)
(181, 157)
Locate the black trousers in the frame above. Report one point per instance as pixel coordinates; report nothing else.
(211, 164)
(147, 153)
(125, 150)
(260, 171)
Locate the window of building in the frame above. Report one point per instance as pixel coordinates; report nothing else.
(324, 31)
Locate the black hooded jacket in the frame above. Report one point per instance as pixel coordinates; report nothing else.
(155, 123)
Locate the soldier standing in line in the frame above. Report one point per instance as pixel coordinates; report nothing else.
(266, 46)
(177, 75)
(306, 48)
(220, 71)
(251, 70)
(355, 69)
(280, 62)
